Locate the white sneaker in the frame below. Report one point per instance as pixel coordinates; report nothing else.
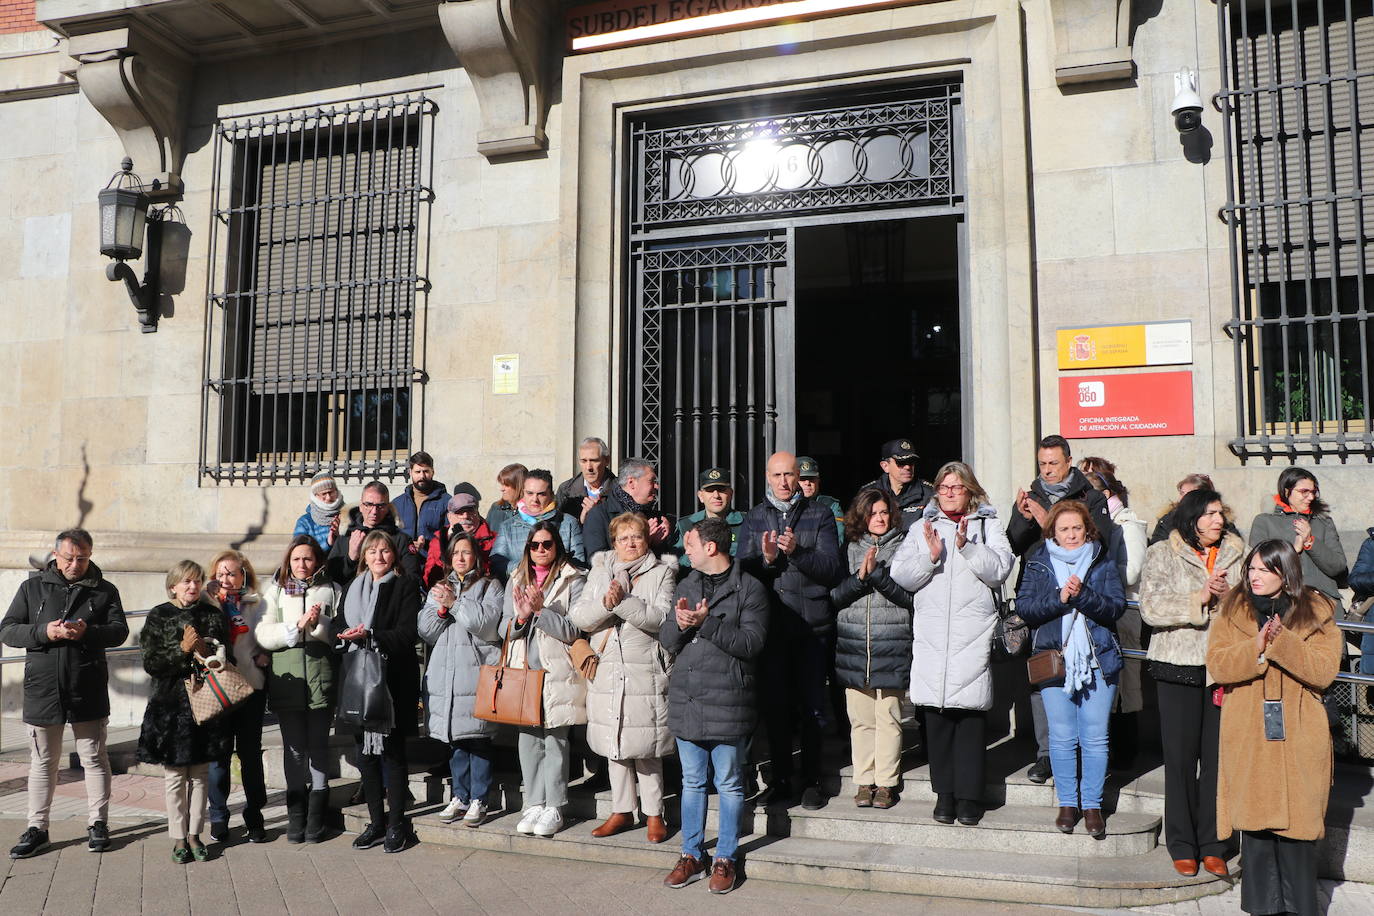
(453, 810)
(477, 812)
(549, 823)
(529, 819)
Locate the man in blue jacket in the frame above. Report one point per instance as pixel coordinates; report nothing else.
(420, 509)
(789, 544)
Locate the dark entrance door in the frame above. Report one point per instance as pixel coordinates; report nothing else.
(877, 346)
(728, 207)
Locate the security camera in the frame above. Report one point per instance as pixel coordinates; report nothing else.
(1187, 107)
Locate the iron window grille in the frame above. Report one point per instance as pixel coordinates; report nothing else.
(312, 349)
(895, 150)
(1298, 95)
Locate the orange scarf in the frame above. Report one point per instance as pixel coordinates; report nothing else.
(1278, 501)
(1209, 556)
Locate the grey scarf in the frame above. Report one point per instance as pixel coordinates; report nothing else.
(324, 513)
(359, 608)
(1057, 491)
(783, 507)
(623, 572)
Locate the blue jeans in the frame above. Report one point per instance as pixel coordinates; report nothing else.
(1078, 727)
(470, 767)
(727, 760)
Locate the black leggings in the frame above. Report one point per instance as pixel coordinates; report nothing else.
(397, 779)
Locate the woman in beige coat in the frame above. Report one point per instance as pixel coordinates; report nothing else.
(541, 590)
(1275, 640)
(629, 593)
(1180, 588)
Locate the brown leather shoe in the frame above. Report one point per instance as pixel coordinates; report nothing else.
(884, 796)
(1186, 867)
(863, 798)
(655, 828)
(1068, 816)
(616, 823)
(687, 870)
(1214, 864)
(1094, 823)
(722, 876)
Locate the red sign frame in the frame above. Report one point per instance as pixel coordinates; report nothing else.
(1138, 404)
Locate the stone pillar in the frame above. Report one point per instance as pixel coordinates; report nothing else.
(505, 48)
(141, 86)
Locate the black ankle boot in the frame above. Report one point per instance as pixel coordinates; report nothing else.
(317, 818)
(295, 815)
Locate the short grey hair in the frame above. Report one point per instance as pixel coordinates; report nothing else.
(632, 469)
(599, 443)
(78, 536)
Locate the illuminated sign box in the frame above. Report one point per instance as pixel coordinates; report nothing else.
(1112, 406)
(614, 23)
(1158, 343)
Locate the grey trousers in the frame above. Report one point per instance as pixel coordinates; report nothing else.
(544, 766)
(1042, 725)
(305, 747)
(45, 758)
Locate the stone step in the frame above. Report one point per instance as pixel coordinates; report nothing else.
(1092, 881)
(1007, 828)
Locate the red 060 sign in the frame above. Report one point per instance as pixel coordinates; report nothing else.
(1111, 406)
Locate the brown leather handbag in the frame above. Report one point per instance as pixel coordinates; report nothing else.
(510, 695)
(1047, 665)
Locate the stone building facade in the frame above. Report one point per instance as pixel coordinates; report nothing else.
(1069, 200)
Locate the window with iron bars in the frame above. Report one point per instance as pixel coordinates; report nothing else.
(1298, 94)
(312, 337)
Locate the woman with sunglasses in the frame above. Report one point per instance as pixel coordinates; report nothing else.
(543, 586)
(1303, 519)
(1275, 648)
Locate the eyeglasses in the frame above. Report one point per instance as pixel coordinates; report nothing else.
(541, 545)
(367, 505)
(951, 488)
(1305, 492)
(74, 558)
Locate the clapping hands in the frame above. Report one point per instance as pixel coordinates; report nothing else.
(687, 616)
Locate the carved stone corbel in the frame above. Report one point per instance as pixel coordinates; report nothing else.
(504, 45)
(1092, 41)
(141, 87)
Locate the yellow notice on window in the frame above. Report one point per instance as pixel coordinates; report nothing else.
(505, 374)
(1158, 343)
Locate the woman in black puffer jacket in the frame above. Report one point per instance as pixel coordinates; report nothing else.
(873, 647)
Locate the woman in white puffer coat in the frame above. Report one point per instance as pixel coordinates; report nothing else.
(628, 595)
(951, 563)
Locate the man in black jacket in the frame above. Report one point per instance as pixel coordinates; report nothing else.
(911, 494)
(789, 544)
(579, 494)
(65, 618)
(1058, 480)
(716, 631)
(374, 513)
(636, 490)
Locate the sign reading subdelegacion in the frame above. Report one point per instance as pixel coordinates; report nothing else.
(1111, 406)
(623, 22)
(1157, 343)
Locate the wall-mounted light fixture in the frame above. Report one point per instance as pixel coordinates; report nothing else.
(124, 218)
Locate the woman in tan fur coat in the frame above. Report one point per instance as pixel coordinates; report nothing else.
(1275, 641)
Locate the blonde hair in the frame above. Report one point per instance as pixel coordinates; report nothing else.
(977, 496)
(186, 569)
(373, 537)
(628, 520)
(250, 578)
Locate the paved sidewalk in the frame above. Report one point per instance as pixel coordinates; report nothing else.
(138, 876)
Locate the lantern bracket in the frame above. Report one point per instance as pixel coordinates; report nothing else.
(145, 296)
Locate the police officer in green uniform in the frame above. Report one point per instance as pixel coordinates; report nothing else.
(715, 493)
(810, 473)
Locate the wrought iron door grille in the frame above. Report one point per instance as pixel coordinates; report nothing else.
(704, 345)
(895, 152)
(310, 334)
(1298, 95)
